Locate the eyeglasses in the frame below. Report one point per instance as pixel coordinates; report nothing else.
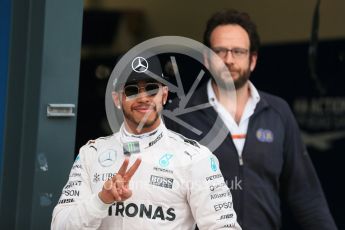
(237, 53)
(133, 91)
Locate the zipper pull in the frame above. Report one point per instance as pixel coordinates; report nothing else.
(240, 160)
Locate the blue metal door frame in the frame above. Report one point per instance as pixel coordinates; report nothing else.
(44, 39)
(5, 14)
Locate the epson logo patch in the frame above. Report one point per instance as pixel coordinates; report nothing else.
(164, 182)
(221, 206)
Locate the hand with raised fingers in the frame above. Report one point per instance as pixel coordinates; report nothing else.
(117, 187)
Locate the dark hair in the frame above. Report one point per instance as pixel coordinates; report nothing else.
(234, 17)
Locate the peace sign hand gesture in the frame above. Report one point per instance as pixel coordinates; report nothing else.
(116, 188)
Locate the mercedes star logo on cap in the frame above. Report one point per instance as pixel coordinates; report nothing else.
(139, 64)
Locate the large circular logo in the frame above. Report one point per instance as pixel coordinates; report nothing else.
(137, 57)
(107, 158)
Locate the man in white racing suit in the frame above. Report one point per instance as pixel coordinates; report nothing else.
(173, 183)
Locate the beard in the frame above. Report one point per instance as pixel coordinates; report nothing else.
(242, 80)
(228, 82)
(146, 122)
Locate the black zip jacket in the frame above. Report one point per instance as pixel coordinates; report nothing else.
(275, 166)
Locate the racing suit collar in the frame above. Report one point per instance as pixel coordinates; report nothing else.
(145, 140)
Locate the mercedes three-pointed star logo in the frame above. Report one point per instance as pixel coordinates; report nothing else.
(107, 158)
(139, 64)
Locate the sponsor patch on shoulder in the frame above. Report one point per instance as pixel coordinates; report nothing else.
(190, 141)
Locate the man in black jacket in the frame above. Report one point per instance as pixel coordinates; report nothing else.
(262, 157)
